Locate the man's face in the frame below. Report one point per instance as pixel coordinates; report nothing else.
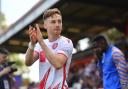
(100, 48)
(3, 58)
(97, 49)
(53, 24)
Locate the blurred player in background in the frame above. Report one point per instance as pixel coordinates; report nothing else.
(112, 64)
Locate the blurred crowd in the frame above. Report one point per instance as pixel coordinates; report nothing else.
(86, 77)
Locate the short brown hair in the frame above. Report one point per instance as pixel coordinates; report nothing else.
(51, 12)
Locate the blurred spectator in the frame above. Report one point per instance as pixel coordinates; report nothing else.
(33, 85)
(86, 77)
(6, 80)
(112, 63)
(73, 77)
(92, 79)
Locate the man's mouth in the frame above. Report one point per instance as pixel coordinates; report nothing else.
(56, 29)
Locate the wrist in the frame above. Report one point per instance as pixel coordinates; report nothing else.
(31, 46)
(41, 42)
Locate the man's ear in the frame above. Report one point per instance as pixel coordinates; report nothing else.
(45, 25)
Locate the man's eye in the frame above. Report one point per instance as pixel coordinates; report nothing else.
(59, 21)
(52, 21)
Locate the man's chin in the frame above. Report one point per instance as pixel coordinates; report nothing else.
(57, 33)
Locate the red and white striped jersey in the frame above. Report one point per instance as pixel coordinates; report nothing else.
(51, 78)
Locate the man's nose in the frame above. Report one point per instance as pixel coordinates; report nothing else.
(57, 24)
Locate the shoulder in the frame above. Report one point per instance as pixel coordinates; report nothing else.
(65, 41)
(117, 53)
(116, 50)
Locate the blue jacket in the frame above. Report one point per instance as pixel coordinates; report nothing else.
(110, 75)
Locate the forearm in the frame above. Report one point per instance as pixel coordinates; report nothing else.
(51, 56)
(123, 73)
(124, 85)
(124, 82)
(5, 71)
(29, 57)
(122, 69)
(1, 73)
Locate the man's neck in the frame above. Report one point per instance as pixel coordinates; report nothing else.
(53, 38)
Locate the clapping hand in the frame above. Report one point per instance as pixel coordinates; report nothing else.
(32, 35)
(39, 34)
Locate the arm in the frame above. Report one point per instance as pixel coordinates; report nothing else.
(30, 56)
(122, 69)
(57, 60)
(5, 71)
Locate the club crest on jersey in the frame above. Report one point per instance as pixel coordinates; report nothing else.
(55, 45)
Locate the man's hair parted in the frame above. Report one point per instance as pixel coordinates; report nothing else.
(50, 12)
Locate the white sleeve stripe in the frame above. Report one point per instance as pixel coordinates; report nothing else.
(64, 55)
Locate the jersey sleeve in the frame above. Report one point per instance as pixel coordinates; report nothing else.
(122, 68)
(66, 48)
